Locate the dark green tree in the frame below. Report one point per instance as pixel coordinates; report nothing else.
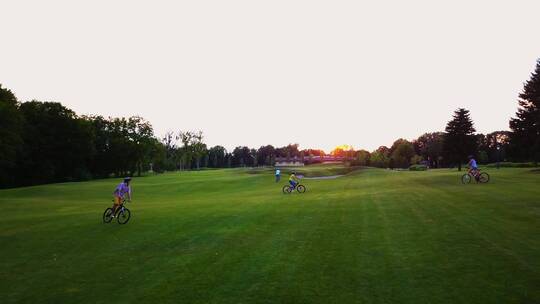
(10, 136)
(430, 147)
(401, 153)
(57, 144)
(525, 135)
(217, 157)
(159, 157)
(362, 158)
(459, 140)
(289, 151)
(381, 157)
(169, 143)
(101, 164)
(122, 146)
(266, 155)
(496, 145)
(141, 137)
(198, 148)
(185, 152)
(241, 157)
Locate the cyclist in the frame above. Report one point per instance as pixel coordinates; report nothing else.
(122, 190)
(293, 180)
(473, 166)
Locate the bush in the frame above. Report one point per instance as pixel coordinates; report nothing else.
(512, 165)
(418, 168)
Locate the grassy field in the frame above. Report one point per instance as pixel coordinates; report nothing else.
(228, 236)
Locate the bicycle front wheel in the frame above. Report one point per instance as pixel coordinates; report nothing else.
(466, 178)
(107, 215)
(483, 178)
(123, 216)
(286, 189)
(301, 188)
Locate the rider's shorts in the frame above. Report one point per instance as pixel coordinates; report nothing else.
(293, 183)
(117, 200)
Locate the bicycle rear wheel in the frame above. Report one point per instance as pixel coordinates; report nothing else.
(123, 216)
(107, 215)
(483, 178)
(466, 178)
(301, 188)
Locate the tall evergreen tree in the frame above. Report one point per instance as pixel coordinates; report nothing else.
(459, 140)
(525, 136)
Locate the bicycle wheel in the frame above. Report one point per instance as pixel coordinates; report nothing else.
(301, 188)
(123, 216)
(466, 178)
(286, 189)
(483, 178)
(107, 215)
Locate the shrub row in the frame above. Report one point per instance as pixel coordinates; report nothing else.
(512, 165)
(418, 168)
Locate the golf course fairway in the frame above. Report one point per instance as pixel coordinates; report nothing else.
(232, 236)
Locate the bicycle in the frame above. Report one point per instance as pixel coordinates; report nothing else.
(287, 189)
(479, 177)
(122, 214)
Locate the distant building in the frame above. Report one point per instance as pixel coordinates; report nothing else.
(289, 162)
(312, 159)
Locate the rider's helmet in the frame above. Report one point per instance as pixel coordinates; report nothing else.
(294, 172)
(127, 179)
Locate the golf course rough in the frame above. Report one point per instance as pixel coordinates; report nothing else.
(229, 236)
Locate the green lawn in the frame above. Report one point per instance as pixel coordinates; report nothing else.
(228, 236)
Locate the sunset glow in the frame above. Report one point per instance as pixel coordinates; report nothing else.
(337, 150)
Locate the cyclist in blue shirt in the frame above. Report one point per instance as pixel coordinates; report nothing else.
(473, 166)
(122, 191)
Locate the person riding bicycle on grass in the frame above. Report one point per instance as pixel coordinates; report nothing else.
(473, 166)
(293, 180)
(122, 190)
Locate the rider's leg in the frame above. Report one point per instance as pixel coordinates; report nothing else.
(116, 204)
(476, 174)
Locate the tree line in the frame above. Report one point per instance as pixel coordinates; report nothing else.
(438, 149)
(44, 142)
(459, 140)
(185, 150)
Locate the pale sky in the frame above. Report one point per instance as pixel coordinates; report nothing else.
(317, 73)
